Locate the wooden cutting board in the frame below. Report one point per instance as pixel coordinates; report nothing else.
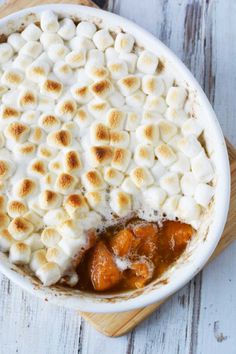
(117, 324)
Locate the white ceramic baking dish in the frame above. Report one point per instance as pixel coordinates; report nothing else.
(204, 244)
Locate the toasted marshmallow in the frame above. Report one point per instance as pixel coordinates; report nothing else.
(121, 159)
(55, 166)
(154, 197)
(20, 228)
(144, 155)
(116, 99)
(37, 168)
(119, 139)
(181, 165)
(170, 206)
(27, 99)
(102, 39)
(76, 58)
(203, 194)
(49, 273)
(129, 84)
(38, 259)
(151, 117)
(55, 217)
(6, 241)
(49, 21)
(34, 242)
(112, 176)
(153, 85)
(98, 108)
(48, 39)
(188, 209)
(129, 187)
(92, 180)
(49, 122)
(52, 88)
(63, 72)
(188, 184)
(79, 42)
(82, 118)
(72, 162)
(165, 154)
(86, 29)
(95, 56)
(66, 108)
(132, 121)
(155, 103)
(96, 200)
(31, 32)
(120, 202)
(118, 68)
(2, 203)
(190, 146)
(49, 199)
(59, 139)
(202, 168)
(131, 60)
(191, 127)
(148, 133)
(57, 52)
(30, 117)
(3, 90)
(6, 169)
(124, 43)
(37, 135)
(16, 41)
(170, 183)
(22, 62)
(12, 78)
(18, 132)
(176, 97)
(101, 89)
(50, 237)
(4, 221)
(76, 205)
(67, 29)
(167, 130)
(115, 119)
(141, 177)
(6, 52)
(49, 180)
(24, 188)
(100, 155)
(56, 255)
(65, 183)
(32, 49)
(147, 62)
(20, 253)
(16, 208)
(177, 116)
(136, 100)
(96, 71)
(99, 134)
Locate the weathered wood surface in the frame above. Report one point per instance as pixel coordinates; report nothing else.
(201, 317)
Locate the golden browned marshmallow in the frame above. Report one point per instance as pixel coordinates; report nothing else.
(20, 253)
(141, 177)
(6, 240)
(17, 132)
(37, 168)
(34, 219)
(99, 134)
(6, 169)
(165, 154)
(119, 139)
(92, 180)
(24, 188)
(66, 108)
(52, 88)
(7, 113)
(27, 99)
(96, 71)
(37, 71)
(49, 199)
(49, 122)
(16, 208)
(65, 183)
(4, 221)
(81, 94)
(2, 203)
(76, 58)
(148, 133)
(100, 155)
(129, 84)
(50, 237)
(144, 155)
(37, 135)
(59, 139)
(121, 159)
(112, 176)
(98, 108)
(82, 118)
(115, 119)
(49, 179)
(72, 162)
(75, 205)
(46, 152)
(56, 165)
(26, 150)
(12, 78)
(120, 202)
(101, 89)
(20, 228)
(167, 130)
(96, 199)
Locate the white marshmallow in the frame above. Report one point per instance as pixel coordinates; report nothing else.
(129, 187)
(30, 117)
(6, 241)
(154, 197)
(76, 205)
(6, 52)
(49, 21)
(7, 169)
(102, 39)
(34, 219)
(181, 165)
(72, 246)
(27, 99)
(34, 205)
(16, 41)
(48, 181)
(174, 142)
(188, 184)
(49, 199)
(12, 78)
(188, 209)
(20, 228)
(158, 170)
(98, 108)
(71, 229)
(22, 62)
(38, 259)
(83, 119)
(91, 219)
(57, 52)
(202, 168)
(56, 255)
(203, 194)
(151, 117)
(76, 58)
(129, 84)
(50, 237)
(177, 116)
(153, 85)
(116, 99)
(170, 183)
(86, 29)
(131, 60)
(55, 217)
(176, 97)
(67, 29)
(31, 32)
(141, 177)
(96, 200)
(112, 176)
(155, 103)
(144, 155)
(136, 100)
(192, 127)
(167, 130)
(32, 48)
(34, 242)
(79, 42)
(110, 54)
(121, 159)
(93, 181)
(49, 273)
(66, 108)
(124, 43)
(45, 103)
(170, 206)
(96, 71)
(118, 68)
(63, 72)
(95, 56)
(147, 62)
(120, 202)
(20, 253)
(132, 121)
(48, 39)
(37, 135)
(148, 134)
(119, 139)
(190, 146)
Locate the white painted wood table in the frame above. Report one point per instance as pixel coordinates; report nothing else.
(201, 318)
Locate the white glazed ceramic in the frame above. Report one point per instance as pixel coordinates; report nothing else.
(198, 254)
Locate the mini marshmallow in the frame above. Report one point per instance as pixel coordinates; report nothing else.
(99, 134)
(102, 39)
(72, 162)
(9, 103)
(76, 58)
(32, 48)
(45, 103)
(86, 29)
(96, 200)
(27, 99)
(2, 203)
(65, 183)
(132, 121)
(118, 68)
(24, 152)
(49, 199)
(136, 100)
(20, 228)
(48, 39)
(98, 108)
(176, 97)
(188, 184)
(155, 103)
(181, 165)
(167, 130)
(49, 122)
(50, 237)
(191, 127)
(100, 155)
(30, 117)
(120, 202)
(6, 52)
(79, 42)
(170, 206)
(20, 253)
(174, 142)
(154, 197)
(38, 259)
(7, 169)
(112, 176)
(153, 85)
(124, 43)
(63, 72)
(115, 119)
(121, 159)
(34, 205)
(67, 29)
(129, 187)
(82, 118)
(34, 242)
(56, 255)
(57, 52)
(101, 89)
(131, 60)
(188, 209)
(55, 166)
(55, 217)
(190, 146)
(49, 21)
(165, 154)
(96, 56)
(16, 41)
(16, 208)
(92, 218)
(24, 188)
(31, 32)
(116, 99)
(48, 180)
(76, 205)
(51, 88)
(12, 78)
(158, 170)
(66, 108)
(6, 241)
(22, 62)
(37, 135)
(72, 246)
(148, 133)
(203, 194)
(147, 62)
(3, 89)
(81, 94)
(110, 54)
(170, 183)
(119, 139)
(177, 116)
(92, 180)
(96, 71)
(16, 131)
(151, 117)
(129, 84)
(49, 273)
(141, 177)
(71, 229)
(2, 140)
(37, 168)
(59, 139)
(144, 155)
(202, 168)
